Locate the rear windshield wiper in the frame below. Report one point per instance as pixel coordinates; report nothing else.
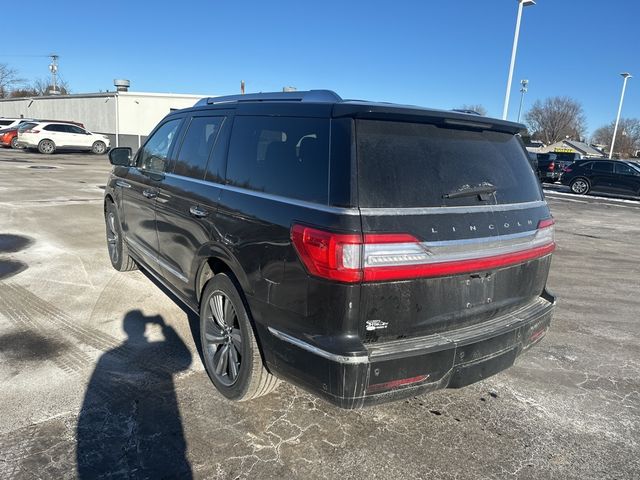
(482, 191)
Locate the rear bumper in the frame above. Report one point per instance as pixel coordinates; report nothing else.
(408, 367)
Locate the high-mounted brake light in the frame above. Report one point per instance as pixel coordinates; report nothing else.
(379, 257)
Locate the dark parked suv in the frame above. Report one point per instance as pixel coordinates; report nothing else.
(363, 251)
(610, 176)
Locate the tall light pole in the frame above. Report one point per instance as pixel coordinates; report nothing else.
(521, 4)
(626, 77)
(523, 90)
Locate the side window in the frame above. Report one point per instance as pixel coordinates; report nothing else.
(74, 129)
(624, 169)
(197, 145)
(153, 156)
(281, 155)
(53, 128)
(586, 166)
(603, 167)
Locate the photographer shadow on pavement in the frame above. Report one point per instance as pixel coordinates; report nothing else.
(130, 425)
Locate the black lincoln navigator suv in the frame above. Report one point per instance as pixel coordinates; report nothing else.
(363, 251)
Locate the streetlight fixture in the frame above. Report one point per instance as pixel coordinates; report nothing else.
(626, 76)
(521, 4)
(523, 90)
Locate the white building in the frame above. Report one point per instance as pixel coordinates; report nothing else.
(126, 117)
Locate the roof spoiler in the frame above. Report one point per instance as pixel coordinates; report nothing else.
(316, 96)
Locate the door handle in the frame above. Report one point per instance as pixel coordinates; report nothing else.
(198, 212)
(150, 193)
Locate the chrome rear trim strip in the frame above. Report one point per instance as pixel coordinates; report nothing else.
(318, 351)
(440, 210)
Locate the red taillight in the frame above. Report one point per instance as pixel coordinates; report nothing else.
(397, 256)
(328, 255)
(551, 167)
(31, 131)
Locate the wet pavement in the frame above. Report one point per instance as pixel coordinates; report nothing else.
(100, 375)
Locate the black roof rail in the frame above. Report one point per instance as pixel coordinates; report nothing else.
(318, 96)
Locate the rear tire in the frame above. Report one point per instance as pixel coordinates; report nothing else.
(47, 147)
(14, 143)
(117, 247)
(99, 148)
(580, 186)
(231, 354)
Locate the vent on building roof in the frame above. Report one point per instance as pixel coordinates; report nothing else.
(122, 85)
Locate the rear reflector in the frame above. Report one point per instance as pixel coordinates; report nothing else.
(382, 257)
(379, 387)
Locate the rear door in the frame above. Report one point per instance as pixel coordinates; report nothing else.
(450, 219)
(57, 133)
(602, 177)
(188, 198)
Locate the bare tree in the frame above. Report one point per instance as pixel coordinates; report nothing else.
(8, 79)
(627, 139)
(23, 92)
(476, 108)
(43, 86)
(555, 119)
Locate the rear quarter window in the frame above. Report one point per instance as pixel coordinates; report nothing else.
(283, 156)
(415, 165)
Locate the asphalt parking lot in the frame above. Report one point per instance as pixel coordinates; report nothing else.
(89, 356)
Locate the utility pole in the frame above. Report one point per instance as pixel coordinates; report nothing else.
(53, 68)
(523, 90)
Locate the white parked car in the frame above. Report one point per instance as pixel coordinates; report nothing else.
(7, 123)
(47, 137)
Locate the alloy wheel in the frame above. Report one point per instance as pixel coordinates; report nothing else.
(99, 148)
(112, 237)
(579, 186)
(47, 147)
(223, 339)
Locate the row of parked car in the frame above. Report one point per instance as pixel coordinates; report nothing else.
(584, 175)
(47, 136)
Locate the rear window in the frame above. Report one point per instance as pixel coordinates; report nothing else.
(420, 165)
(6, 122)
(281, 156)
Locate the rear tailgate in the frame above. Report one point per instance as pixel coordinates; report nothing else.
(456, 231)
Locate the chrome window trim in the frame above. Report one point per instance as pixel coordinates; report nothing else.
(365, 210)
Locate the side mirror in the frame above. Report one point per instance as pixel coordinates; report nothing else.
(120, 156)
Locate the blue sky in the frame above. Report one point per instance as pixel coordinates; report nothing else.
(439, 54)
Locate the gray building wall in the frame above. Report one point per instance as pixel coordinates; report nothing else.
(131, 115)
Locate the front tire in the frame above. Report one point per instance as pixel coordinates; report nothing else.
(580, 186)
(231, 354)
(47, 147)
(117, 247)
(99, 148)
